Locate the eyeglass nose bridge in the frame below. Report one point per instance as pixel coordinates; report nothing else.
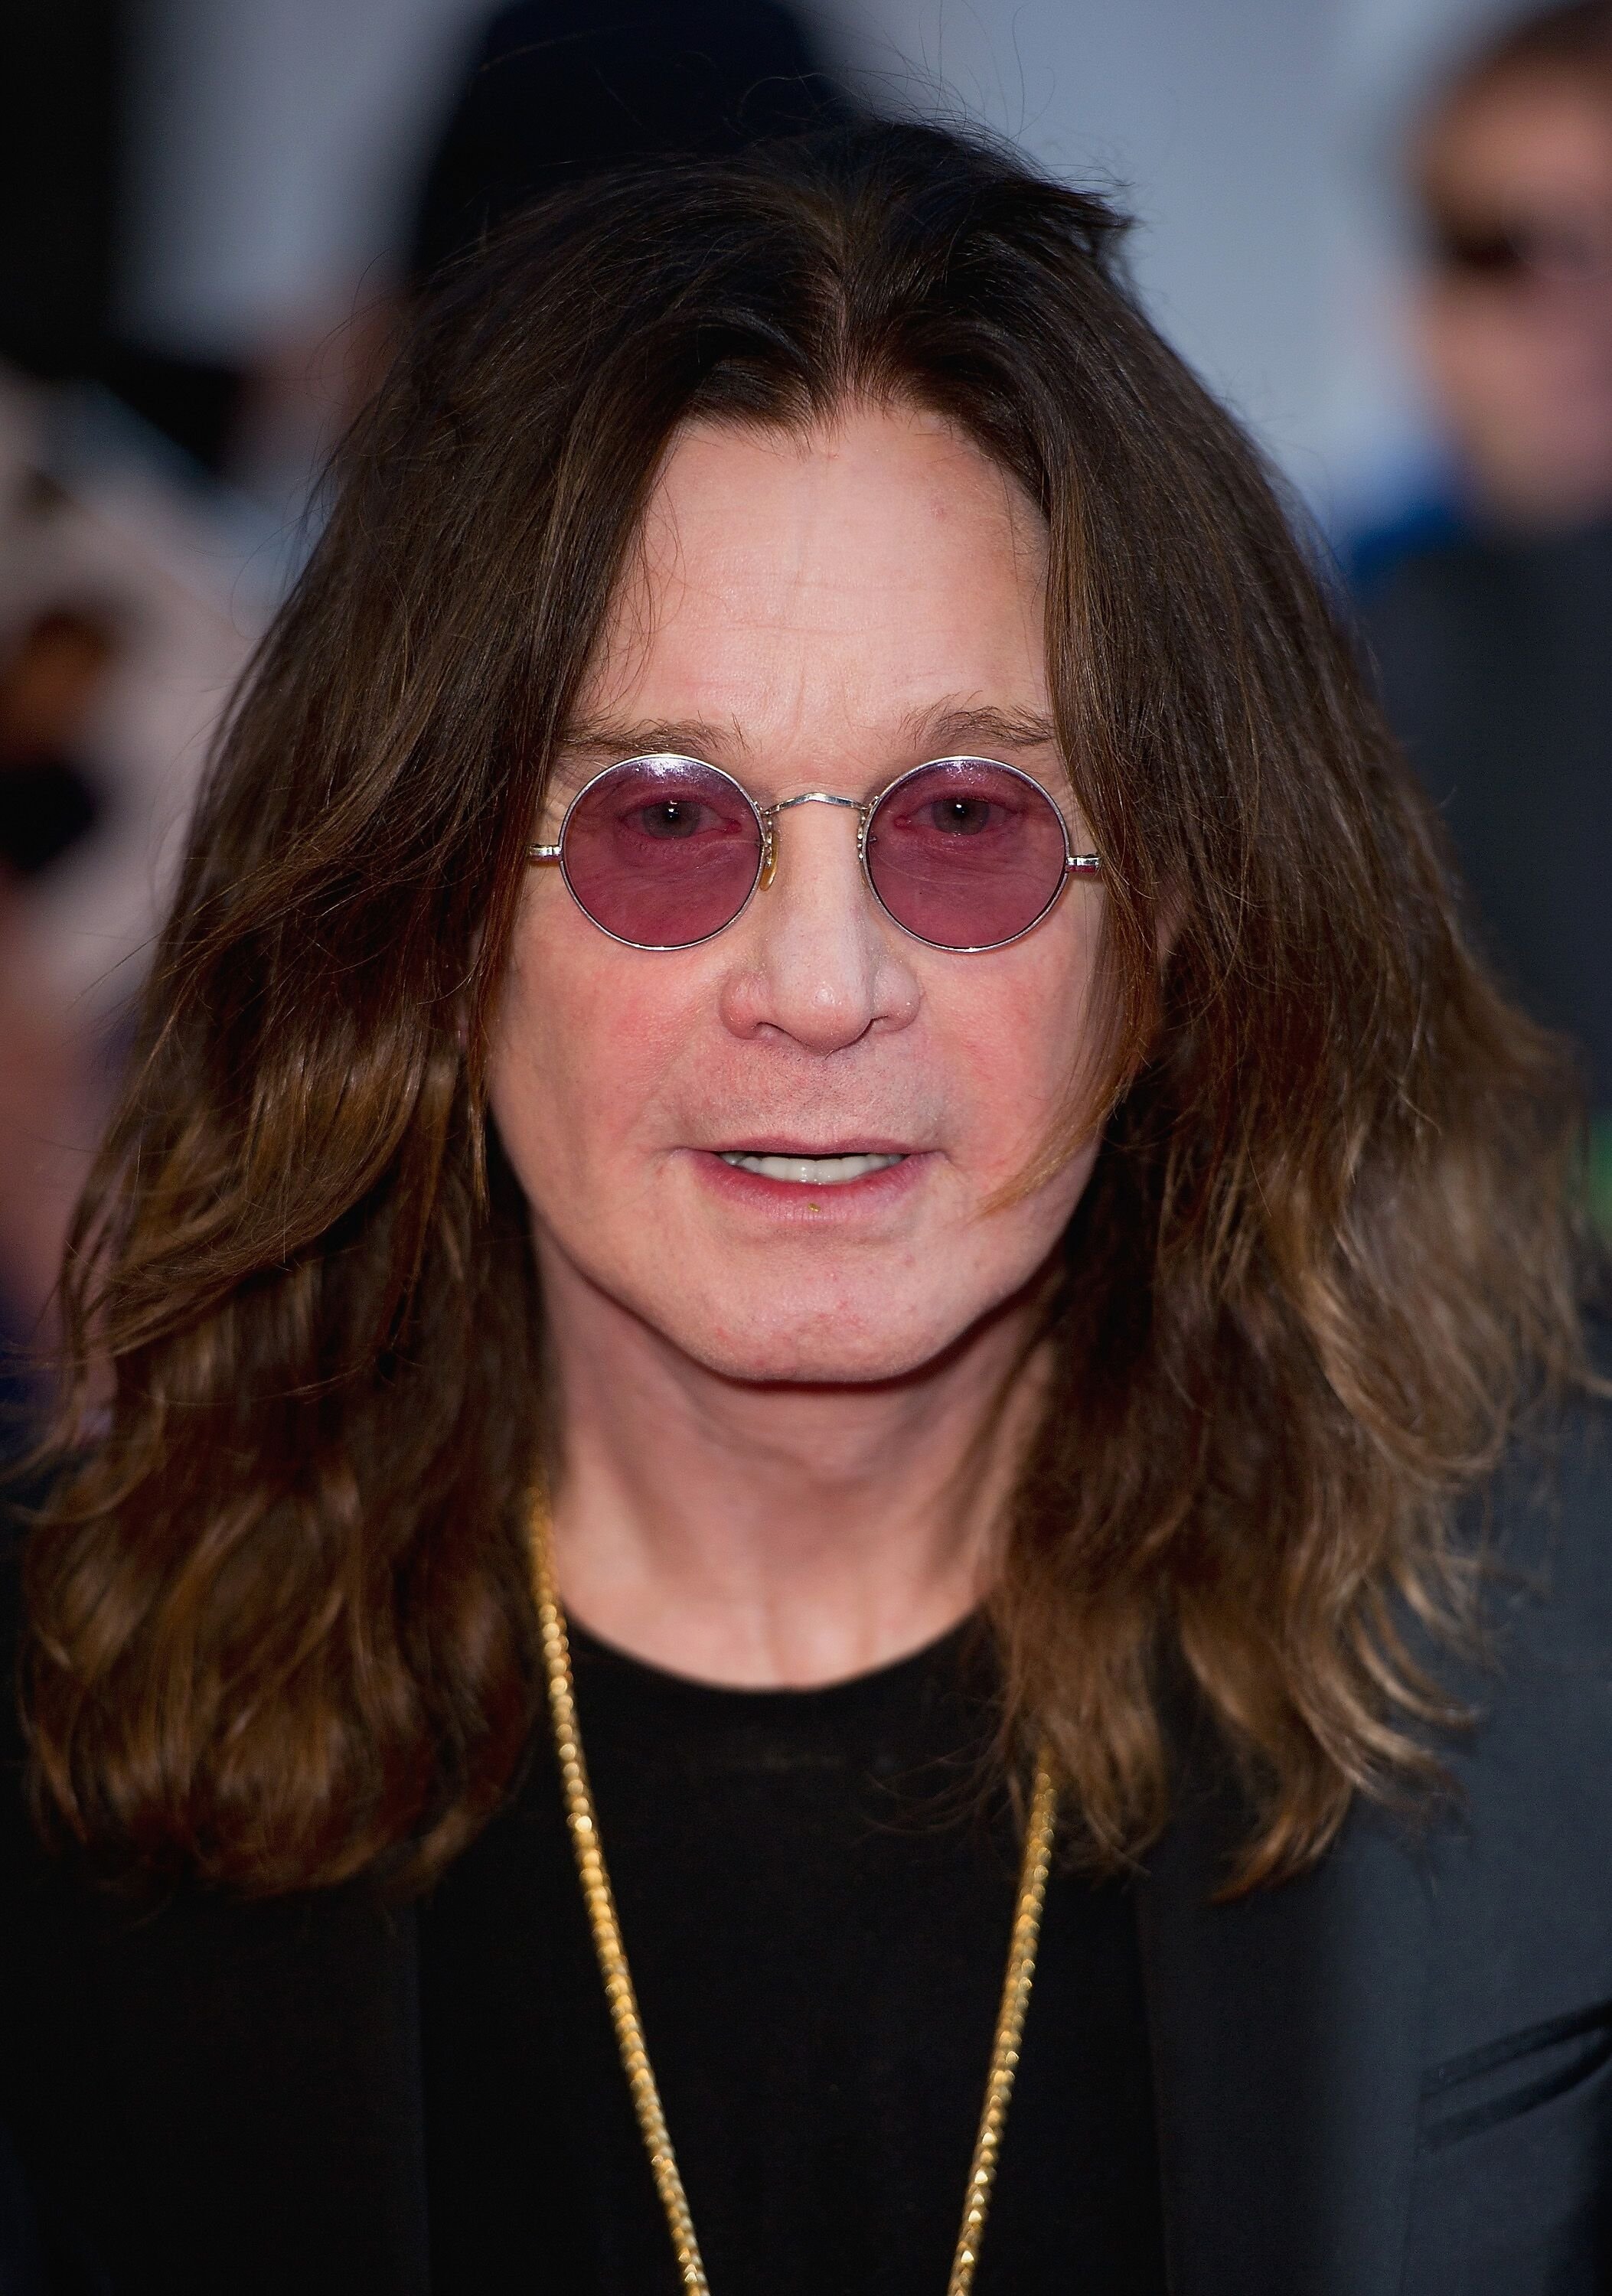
(768, 816)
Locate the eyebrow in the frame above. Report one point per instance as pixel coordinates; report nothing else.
(944, 730)
(948, 731)
(596, 741)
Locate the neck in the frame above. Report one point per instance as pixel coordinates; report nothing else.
(776, 1535)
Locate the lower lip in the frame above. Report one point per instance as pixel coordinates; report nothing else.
(838, 1201)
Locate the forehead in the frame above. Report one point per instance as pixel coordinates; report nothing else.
(842, 583)
(1541, 136)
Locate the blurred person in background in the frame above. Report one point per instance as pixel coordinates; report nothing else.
(124, 620)
(1494, 640)
(67, 158)
(127, 609)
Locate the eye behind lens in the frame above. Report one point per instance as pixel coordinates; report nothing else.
(967, 853)
(662, 852)
(678, 820)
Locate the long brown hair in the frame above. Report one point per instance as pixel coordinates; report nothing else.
(281, 1628)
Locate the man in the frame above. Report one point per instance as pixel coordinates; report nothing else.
(822, 1268)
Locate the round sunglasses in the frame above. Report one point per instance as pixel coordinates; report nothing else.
(662, 852)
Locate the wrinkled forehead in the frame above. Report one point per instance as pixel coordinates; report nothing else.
(867, 586)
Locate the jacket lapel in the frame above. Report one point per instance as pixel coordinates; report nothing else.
(1287, 2034)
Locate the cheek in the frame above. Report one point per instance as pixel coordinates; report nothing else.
(1479, 355)
(1014, 1032)
(585, 1038)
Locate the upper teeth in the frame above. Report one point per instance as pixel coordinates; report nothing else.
(811, 1171)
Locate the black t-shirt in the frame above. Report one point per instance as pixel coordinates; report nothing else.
(815, 1890)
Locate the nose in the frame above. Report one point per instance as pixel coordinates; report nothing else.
(816, 959)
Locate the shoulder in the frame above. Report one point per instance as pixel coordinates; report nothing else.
(1516, 1864)
(1539, 1684)
(219, 2054)
(1542, 1534)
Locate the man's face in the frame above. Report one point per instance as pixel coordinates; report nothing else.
(1515, 320)
(809, 613)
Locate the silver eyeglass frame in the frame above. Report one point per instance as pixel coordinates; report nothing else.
(1075, 865)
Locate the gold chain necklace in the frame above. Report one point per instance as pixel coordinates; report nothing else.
(599, 1898)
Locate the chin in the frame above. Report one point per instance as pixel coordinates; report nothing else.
(822, 1346)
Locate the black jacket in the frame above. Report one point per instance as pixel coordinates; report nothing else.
(1390, 2078)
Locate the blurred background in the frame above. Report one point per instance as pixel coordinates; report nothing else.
(1381, 228)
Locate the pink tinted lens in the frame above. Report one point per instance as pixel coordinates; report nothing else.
(662, 851)
(966, 854)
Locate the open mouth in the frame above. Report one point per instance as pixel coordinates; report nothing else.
(810, 1172)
